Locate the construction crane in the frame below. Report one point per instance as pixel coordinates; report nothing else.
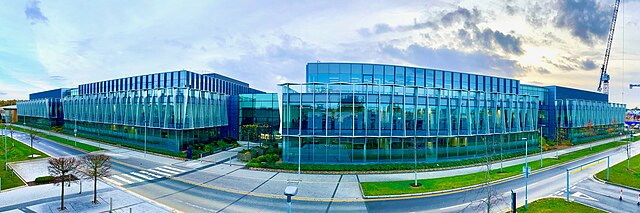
(603, 86)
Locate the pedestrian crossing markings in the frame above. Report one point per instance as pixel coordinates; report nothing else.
(142, 175)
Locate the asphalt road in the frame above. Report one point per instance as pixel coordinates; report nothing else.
(187, 197)
(49, 147)
(540, 185)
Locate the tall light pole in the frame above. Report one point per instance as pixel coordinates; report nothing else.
(4, 133)
(75, 131)
(540, 138)
(526, 173)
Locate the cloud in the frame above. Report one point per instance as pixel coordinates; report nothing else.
(450, 59)
(57, 78)
(537, 14)
(3, 93)
(33, 13)
(489, 39)
(279, 62)
(572, 63)
(585, 19)
(469, 18)
(588, 64)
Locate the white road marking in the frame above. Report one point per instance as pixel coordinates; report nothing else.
(166, 170)
(113, 181)
(583, 196)
(150, 174)
(122, 179)
(142, 176)
(158, 172)
(132, 178)
(174, 169)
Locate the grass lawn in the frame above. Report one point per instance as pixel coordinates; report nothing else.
(17, 152)
(620, 175)
(85, 147)
(452, 182)
(553, 205)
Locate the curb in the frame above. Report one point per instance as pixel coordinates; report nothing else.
(614, 184)
(419, 170)
(467, 188)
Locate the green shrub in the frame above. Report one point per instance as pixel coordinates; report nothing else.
(44, 179)
(274, 151)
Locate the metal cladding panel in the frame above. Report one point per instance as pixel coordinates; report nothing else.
(569, 93)
(54, 93)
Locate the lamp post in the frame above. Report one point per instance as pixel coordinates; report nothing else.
(540, 138)
(4, 134)
(526, 173)
(75, 131)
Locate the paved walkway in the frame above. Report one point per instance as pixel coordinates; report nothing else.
(46, 198)
(223, 172)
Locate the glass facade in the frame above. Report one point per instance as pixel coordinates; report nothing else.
(172, 117)
(542, 94)
(368, 122)
(261, 110)
(406, 76)
(574, 116)
(42, 113)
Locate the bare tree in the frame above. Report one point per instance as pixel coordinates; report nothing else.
(63, 169)
(32, 137)
(94, 167)
(488, 197)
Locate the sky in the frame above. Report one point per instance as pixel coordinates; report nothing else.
(52, 44)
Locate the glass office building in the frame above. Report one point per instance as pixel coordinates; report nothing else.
(259, 113)
(581, 120)
(171, 110)
(43, 109)
(367, 113)
(168, 110)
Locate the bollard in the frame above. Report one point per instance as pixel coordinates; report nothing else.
(110, 205)
(130, 210)
(620, 194)
(513, 201)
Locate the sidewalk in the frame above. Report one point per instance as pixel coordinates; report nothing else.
(46, 198)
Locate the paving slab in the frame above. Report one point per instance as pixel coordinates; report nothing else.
(348, 188)
(30, 170)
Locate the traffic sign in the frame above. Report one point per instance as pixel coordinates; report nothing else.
(526, 170)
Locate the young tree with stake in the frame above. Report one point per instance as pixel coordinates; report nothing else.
(94, 167)
(63, 169)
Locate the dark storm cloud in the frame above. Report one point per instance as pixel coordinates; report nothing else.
(585, 19)
(33, 13)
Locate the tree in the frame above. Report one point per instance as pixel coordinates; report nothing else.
(94, 167)
(63, 169)
(589, 132)
(488, 197)
(32, 137)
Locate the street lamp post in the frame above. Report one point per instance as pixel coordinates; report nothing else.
(540, 138)
(526, 173)
(4, 134)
